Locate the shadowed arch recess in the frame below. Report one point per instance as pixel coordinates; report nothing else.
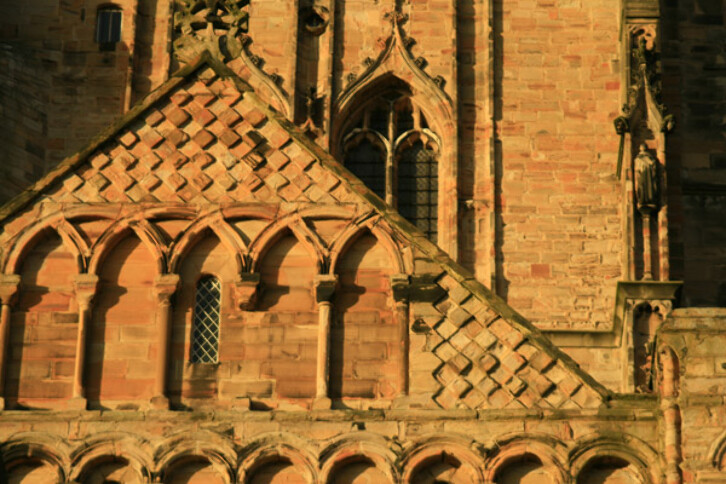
(283, 329)
(206, 258)
(364, 348)
(121, 337)
(42, 329)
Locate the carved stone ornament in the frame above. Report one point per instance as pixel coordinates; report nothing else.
(245, 290)
(644, 77)
(315, 19)
(646, 179)
(207, 20)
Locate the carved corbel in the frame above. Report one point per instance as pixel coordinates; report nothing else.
(165, 286)
(401, 287)
(85, 286)
(245, 290)
(325, 285)
(9, 284)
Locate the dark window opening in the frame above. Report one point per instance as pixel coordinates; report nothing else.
(418, 188)
(108, 27)
(368, 162)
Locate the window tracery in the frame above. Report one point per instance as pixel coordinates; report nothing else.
(389, 146)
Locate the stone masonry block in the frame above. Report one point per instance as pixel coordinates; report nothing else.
(458, 316)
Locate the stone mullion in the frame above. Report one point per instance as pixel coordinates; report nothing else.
(391, 185)
(9, 284)
(324, 289)
(671, 415)
(86, 286)
(165, 286)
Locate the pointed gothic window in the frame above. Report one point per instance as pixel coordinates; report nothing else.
(387, 143)
(205, 327)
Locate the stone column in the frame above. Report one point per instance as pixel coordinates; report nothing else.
(647, 250)
(324, 288)
(9, 284)
(85, 287)
(671, 414)
(165, 285)
(400, 285)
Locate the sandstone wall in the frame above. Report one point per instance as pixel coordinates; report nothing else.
(696, 336)
(319, 447)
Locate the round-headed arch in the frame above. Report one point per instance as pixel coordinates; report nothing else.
(30, 452)
(362, 449)
(116, 449)
(454, 455)
(192, 448)
(547, 451)
(281, 451)
(621, 449)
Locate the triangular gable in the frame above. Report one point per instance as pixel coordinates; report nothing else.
(202, 138)
(197, 139)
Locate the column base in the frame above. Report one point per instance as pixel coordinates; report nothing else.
(77, 403)
(322, 403)
(160, 402)
(2, 404)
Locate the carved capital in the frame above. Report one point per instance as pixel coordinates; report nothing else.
(245, 290)
(325, 285)
(85, 286)
(9, 284)
(400, 287)
(165, 285)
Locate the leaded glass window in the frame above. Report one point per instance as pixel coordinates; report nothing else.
(418, 187)
(205, 327)
(389, 146)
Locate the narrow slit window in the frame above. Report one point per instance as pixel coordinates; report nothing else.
(205, 327)
(108, 27)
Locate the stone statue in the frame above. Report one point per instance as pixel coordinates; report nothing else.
(646, 179)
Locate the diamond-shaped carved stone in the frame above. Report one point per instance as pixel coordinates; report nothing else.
(201, 181)
(176, 181)
(203, 138)
(99, 182)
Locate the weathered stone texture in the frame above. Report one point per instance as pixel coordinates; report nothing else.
(696, 336)
(345, 345)
(560, 211)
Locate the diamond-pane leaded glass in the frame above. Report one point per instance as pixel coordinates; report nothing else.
(205, 336)
(418, 188)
